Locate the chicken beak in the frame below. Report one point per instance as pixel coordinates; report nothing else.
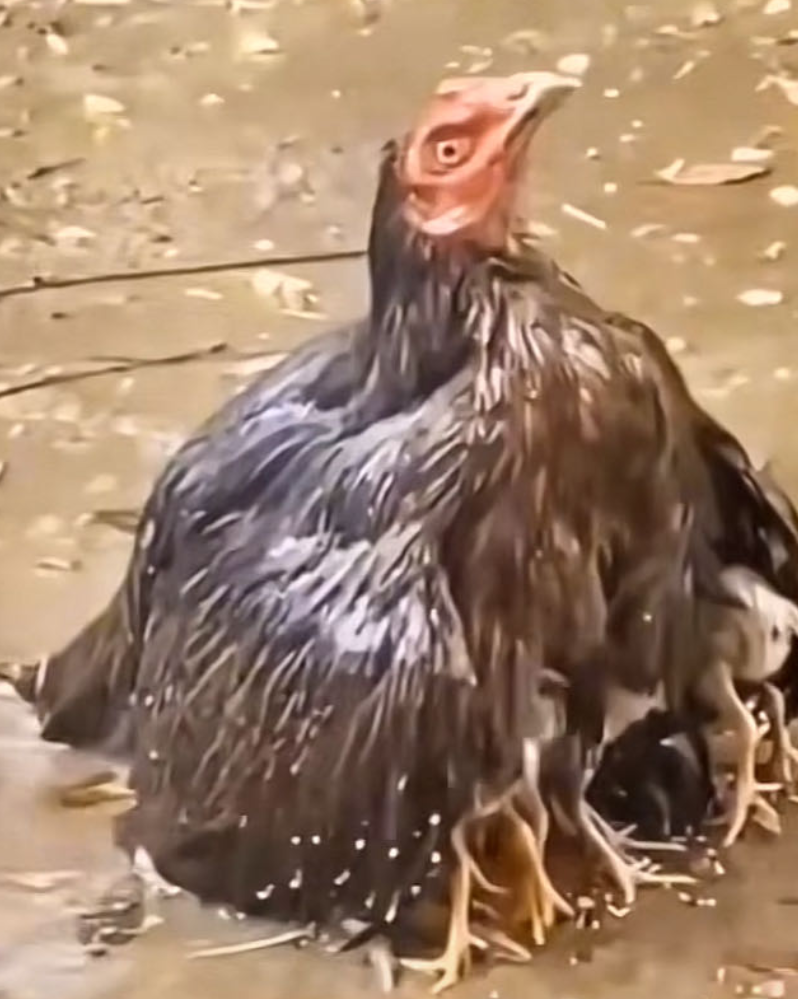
(532, 98)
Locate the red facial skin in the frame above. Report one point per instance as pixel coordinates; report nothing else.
(460, 166)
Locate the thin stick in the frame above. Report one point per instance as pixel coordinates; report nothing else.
(122, 364)
(283, 260)
(251, 945)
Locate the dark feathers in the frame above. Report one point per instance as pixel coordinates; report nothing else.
(346, 587)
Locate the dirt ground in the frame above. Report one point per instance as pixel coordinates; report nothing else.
(139, 135)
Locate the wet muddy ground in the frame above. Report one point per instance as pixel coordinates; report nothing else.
(138, 136)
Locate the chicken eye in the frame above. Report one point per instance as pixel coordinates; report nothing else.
(451, 152)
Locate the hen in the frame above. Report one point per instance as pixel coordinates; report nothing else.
(381, 601)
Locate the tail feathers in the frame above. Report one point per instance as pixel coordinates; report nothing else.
(82, 693)
(22, 677)
(760, 521)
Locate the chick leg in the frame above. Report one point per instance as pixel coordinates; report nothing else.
(719, 686)
(644, 871)
(625, 872)
(785, 755)
(618, 866)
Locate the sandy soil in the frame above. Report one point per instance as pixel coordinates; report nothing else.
(147, 135)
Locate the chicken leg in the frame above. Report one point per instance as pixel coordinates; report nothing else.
(541, 898)
(456, 956)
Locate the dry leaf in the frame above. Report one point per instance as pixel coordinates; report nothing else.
(206, 293)
(760, 296)
(647, 229)
(788, 87)
(774, 251)
(786, 195)
(786, 84)
(576, 64)
(704, 15)
(211, 100)
(97, 106)
(525, 41)
(86, 795)
(583, 216)
(51, 563)
(672, 31)
(257, 43)
(255, 365)
(685, 69)
(103, 483)
(777, 7)
(73, 235)
(40, 880)
(56, 43)
(751, 154)
(710, 174)
(291, 293)
(46, 526)
(9, 81)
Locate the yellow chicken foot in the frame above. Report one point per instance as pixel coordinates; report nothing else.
(542, 898)
(456, 956)
(465, 856)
